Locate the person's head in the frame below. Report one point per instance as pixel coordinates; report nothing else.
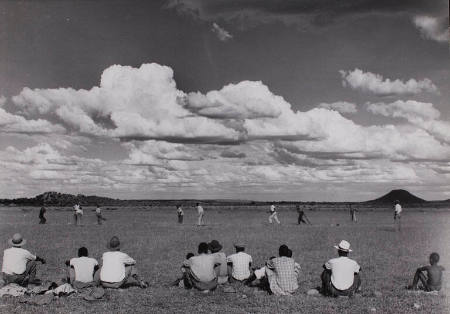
(289, 254)
(434, 258)
(198, 204)
(17, 240)
(189, 255)
(203, 248)
(397, 202)
(178, 206)
(283, 250)
(214, 246)
(82, 251)
(240, 247)
(113, 244)
(343, 248)
(97, 205)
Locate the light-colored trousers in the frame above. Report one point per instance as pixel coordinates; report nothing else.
(273, 217)
(200, 219)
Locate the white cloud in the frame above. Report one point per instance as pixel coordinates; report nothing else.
(340, 106)
(221, 33)
(10, 123)
(409, 110)
(375, 83)
(433, 28)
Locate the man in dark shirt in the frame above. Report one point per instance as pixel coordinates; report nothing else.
(42, 219)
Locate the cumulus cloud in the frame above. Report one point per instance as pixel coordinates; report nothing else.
(433, 28)
(221, 33)
(376, 84)
(409, 110)
(340, 106)
(422, 115)
(141, 103)
(10, 123)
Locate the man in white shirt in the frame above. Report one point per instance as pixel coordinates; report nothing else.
(397, 214)
(19, 265)
(341, 275)
(273, 214)
(83, 270)
(118, 268)
(239, 264)
(201, 213)
(200, 271)
(78, 214)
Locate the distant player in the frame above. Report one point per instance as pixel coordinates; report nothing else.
(78, 214)
(42, 219)
(180, 214)
(352, 213)
(302, 216)
(273, 214)
(201, 214)
(397, 214)
(98, 213)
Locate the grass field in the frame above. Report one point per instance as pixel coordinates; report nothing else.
(152, 236)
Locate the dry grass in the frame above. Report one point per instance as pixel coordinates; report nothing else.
(159, 244)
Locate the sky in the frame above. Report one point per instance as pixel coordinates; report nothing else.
(306, 100)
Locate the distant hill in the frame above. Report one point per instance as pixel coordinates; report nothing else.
(403, 196)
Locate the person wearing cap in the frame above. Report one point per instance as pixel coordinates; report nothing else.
(341, 275)
(83, 271)
(118, 268)
(222, 270)
(200, 271)
(19, 265)
(273, 215)
(280, 275)
(397, 214)
(201, 214)
(239, 264)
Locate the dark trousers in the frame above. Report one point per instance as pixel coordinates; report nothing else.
(100, 219)
(42, 220)
(300, 220)
(22, 279)
(180, 219)
(329, 290)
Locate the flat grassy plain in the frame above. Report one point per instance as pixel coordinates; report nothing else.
(159, 244)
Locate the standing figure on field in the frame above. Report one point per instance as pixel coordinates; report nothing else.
(302, 217)
(78, 213)
(273, 214)
(180, 214)
(42, 219)
(201, 213)
(98, 213)
(397, 215)
(352, 213)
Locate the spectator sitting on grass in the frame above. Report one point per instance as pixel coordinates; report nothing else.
(83, 271)
(432, 281)
(119, 269)
(221, 258)
(280, 275)
(199, 271)
(239, 264)
(19, 265)
(341, 275)
(183, 269)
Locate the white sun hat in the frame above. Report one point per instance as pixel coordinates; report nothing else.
(343, 246)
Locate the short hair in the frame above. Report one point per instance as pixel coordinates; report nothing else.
(203, 248)
(82, 251)
(283, 250)
(198, 204)
(289, 253)
(342, 253)
(434, 258)
(189, 255)
(240, 249)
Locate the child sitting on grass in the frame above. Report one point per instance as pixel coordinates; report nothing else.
(432, 281)
(176, 283)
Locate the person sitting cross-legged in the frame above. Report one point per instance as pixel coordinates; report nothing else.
(19, 265)
(119, 269)
(341, 275)
(239, 264)
(200, 271)
(432, 281)
(280, 275)
(222, 270)
(83, 271)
